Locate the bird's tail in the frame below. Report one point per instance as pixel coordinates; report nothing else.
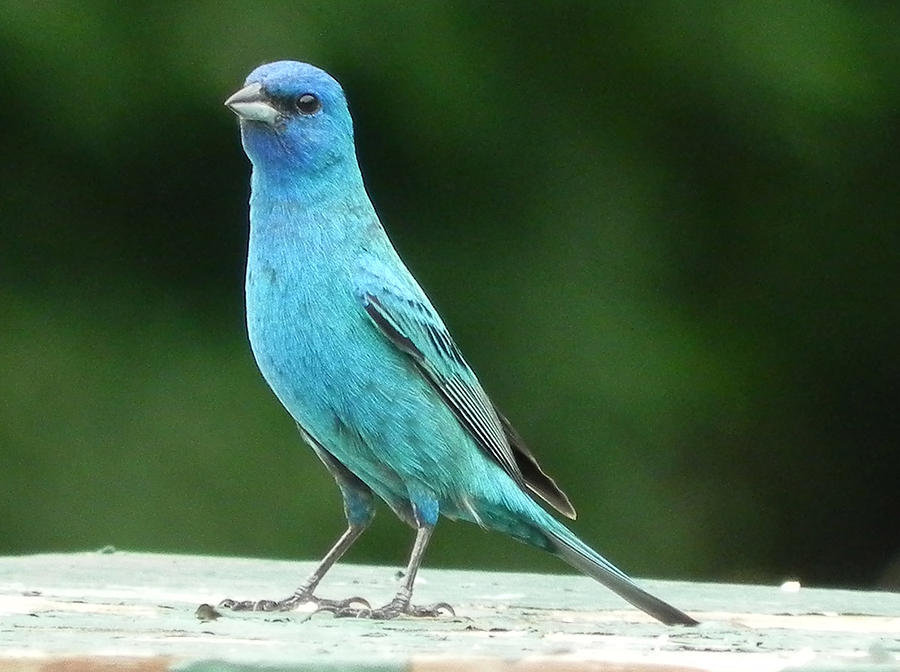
(583, 558)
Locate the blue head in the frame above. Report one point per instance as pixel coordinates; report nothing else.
(294, 121)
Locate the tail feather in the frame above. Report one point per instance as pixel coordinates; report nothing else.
(583, 558)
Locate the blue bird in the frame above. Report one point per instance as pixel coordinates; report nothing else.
(357, 354)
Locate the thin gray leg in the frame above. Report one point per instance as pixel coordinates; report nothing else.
(401, 604)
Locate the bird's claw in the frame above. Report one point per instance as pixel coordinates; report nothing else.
(248, 605)
(393, 610)
(293, 602)
(342, 604)
(431, 610)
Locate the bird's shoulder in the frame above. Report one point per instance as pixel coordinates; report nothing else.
(383, 273)
(399, 306)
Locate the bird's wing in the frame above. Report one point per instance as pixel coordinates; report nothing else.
(406, 317)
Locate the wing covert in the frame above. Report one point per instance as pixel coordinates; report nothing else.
(413, 326)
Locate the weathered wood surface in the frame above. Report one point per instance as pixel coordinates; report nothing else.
(134, 611)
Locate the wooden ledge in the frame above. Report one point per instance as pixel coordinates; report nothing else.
(136, 612)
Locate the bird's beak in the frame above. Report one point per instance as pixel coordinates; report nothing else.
(250, 103)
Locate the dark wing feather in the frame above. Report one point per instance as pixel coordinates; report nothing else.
(414, 327)
(538, 482)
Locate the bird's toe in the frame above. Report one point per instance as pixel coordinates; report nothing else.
(390, 611)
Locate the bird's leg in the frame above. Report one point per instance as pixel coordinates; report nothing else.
(401, 604)
(304, 593)
(359, 508)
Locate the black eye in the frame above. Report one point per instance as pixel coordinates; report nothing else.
(308, 104)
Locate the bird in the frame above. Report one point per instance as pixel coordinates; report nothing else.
(360, 358)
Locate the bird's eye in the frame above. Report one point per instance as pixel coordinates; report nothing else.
(308, 104)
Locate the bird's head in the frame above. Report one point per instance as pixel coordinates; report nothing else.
(294, 117)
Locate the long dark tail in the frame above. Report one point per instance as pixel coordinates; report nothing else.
(583, 558)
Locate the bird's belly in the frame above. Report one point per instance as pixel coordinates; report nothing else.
(357, 395)
(304, 348)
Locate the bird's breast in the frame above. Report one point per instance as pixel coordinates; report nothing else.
(308, 333)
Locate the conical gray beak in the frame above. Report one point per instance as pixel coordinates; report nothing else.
(250, 103)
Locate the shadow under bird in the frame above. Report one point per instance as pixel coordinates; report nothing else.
(360, 358)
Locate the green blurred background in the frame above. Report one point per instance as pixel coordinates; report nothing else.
(664, 233)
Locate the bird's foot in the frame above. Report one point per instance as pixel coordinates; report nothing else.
(293, 602)
(397, 607)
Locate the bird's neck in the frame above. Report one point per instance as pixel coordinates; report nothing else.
(310, 188)
(294, 204)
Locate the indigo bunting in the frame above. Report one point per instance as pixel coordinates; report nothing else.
(359, 357)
